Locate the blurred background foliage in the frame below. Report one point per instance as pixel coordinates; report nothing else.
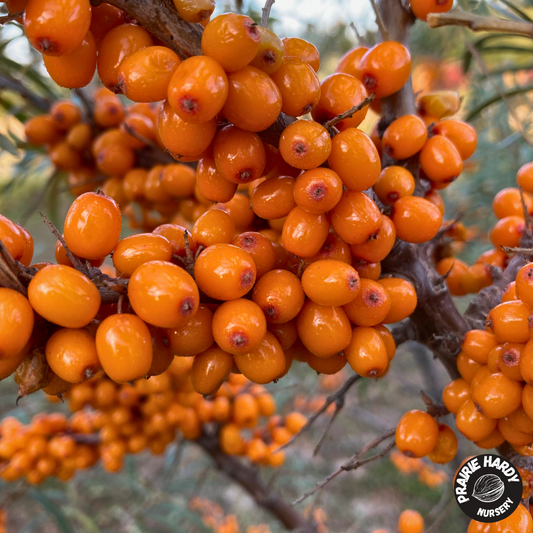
(154, 494)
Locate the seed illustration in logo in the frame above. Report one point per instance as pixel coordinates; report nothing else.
(488, 488)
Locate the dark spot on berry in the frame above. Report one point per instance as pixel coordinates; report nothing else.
(489, 324)
(372, 373)
(188, 104)
(248, 242)
(239, 339)
(271, 312)
(247, 278)
(300, 148)
(44, 45)
(306, 109)
(370, 82)
(372, 299)
(409, 454)
(374, 235)
(353, 281)
(269, 57)
(393, 196)
(511, 357)
(245, 175)
(317, 191)
(120, 87)
(252, 31)
(478, 408)
(204, 14)
(187, 306)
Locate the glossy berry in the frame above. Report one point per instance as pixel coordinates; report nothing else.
(416, 219)
(508, 202)
(295, 47)
(370, 306)
(195, 10)
(402, 296)
(455, 394)
(304, 233)
(410, 522)
(194, 335)
(305, 144)
(524, 177)
(211, 183)
(274, 198)
(509, 321)
(269, 57)
(461, 134)
(318, 190)
(366, 353)
(394, 183)
(524, 284)
(377, 248)
(422, 8)
(17, 321)
(507, 231)
(472, 424)
(349, 62)
(417, 434)
(260, 248)
(477, 344)
(497, 396)
(440, 160)
(210, 369)
(404, 137)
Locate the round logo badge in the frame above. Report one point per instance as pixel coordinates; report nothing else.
(488, 488)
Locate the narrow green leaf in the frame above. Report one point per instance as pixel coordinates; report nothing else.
(496, 98)
(51, 508)
(516, 9)
(88, 524)
(7, 144)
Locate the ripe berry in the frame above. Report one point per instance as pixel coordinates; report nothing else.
(163, 294)
(254, 101)
(306, 51)
(376, 249)
(349, 62)
(178, 180)
(12, 238)
(524, 284)
(198, 89)
(519, 521)
(194, 335)
(42, 130)
(462, 135)
(524, 177)
(305, 144)
(370, 306)
(274, 198)
(366, 353)
(71, 354)
(507, 232)
(472, 424)
(453, 269)
(455, 394)
(239, 326)
(64, 296)
(304, 233)
(211, 183)
(210, 369)
(269, 57)
(124, 347)
(16, 319)
(404, 137)
(477, 344)
(416, 219)
(260, 248)
(65, 114)
(225, 272)
(104, 18)
(417, 434)
(394, 183)
(497, 396)
(410, 522)
(195, 10)
(422, 8)
(508, 202)
(509, 321)
(318, 190)
(328, 366)
(440, 160)
(402, 296)
(213, 227)
(385, 68)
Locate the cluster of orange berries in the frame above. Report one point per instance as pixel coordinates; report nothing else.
(409, 521)
(111, 420)
(426, 473)
(511, 206)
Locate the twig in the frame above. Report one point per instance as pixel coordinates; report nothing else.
(329, 400)
(484, 69)
(339, 404)
(436, 410)
(358, 36)
(355, 462)
(265, 12)
(11, 17)
(458, 17)
(137, 135)
(518, 250)
(9, 271)
(350, 113)
(86, 103)
(379, 21)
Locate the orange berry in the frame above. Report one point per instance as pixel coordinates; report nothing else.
(524, 358)
(318, 190)
(295, 421)
(42, 130)
(416, 219)
(370, 306)
(195, 10)
(385, 68)
(92, 226)
(64, 157)
(510, 292)
(260, 248)
(519, 521)
(144, 75)
(507, 232)
(304, 233)
(304, 50)
(124, 347)
(402, 296)
(497, 396)
(299, 86)
(524, 284)
(417, 434)
(394, 183)
(324, 330)
(509, 321)
(378, 248)
(64, 296)
(65, 114)
(404, 137)
(477, 344)
(410, 522)
(213, 227)
(193, 336)
(422, 8)
(104, 18)
(55, 27)
(524, 177)
(211, 183)
(440, 160)
(241, 212)
(175, 234)
(476, 278)
(163, 294)
(328, 366)
(16, 319)
(339, 93)
(454, 270)
(305, 144)
(225, 272)
(455, 394)
(461, 134)
(366, 353)
(269, 57)
(349, 62)
(254, 100)
(210, 369)
(472, 424)
(508, 202)
(274, 198)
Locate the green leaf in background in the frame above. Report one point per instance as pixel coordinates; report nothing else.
(88, 524)
(7, 144)
(479, 45)
(516, 9)
(52, 509)
(496, 98)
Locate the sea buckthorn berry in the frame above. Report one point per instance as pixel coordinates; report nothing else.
(232, 40)
(520, 420)
(64, 296)
(295, 421)
(231, 441)
(75, 69)
(356, 218)
(64, 157)
(422, 8)
(240, 210)
(16, 319)
(198, 89)
(269, 57)
(104, 18)
(213, 227)
(120, 43)
(225, 272)
(254, 100)
(144, 76)
(324, 330)
(328, 366)
(520, 521)
(42, 130)
(524, 284)
(295, 47)
(494, 257)
(210, 369)
(440, 160)
(417, 433)
(394, 183)
(239, 326)
(92, 226)
(385, 68)
(299, 86)
(453, 269)
(370, 306)
(163, 294)
(512, 435)
(304, 233)
(509, 292)
(138, 127)
(472, 424)
(388, 340)
(339, 93)
(178, 180)
(410, 522)
(274, 198)
(404, 137)
(402, 296)
(108, 111)
(508, 202)
(65, 114)
(333, 248)
(376, 249)
(416, 219)
(71, 354)
(477, 344)
(497, 396)
(176, 236)
(366, 353)
(462, 135)
(525, 361)
(115, 160)
(305, 144)
(467, 367)
(184, 138)
(285, 333)
(330, 282)
(264, 364)
(318, 190)
(194, 335)
(507, 232)
(280, 296)
(133, 183)
(124, 347)
(239, 155)
(476, 277)
(133, 251)
(12, 237)
(524, 177)
(211, 183)
(27, 256)
(446, 448)
(455, 394)
(260, 248)
(56, 27)
(195, 10)
(349, 62)
(509, 321)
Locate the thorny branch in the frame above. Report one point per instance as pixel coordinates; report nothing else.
(265, 12)
(350, 113)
